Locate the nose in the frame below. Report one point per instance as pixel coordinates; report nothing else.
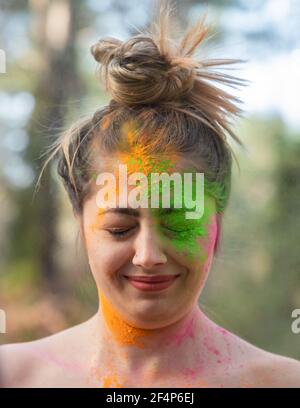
(148, 250)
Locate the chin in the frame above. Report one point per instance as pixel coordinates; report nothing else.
(153, 316)
(145, 323)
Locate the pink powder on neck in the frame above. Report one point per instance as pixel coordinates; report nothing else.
(184, 333)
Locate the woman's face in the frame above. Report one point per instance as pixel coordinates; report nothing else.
(127, 244)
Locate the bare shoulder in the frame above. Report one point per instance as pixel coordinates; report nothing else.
(41, 362)
(255, 367)
(16, 364)
(265, 369)
(275, 371)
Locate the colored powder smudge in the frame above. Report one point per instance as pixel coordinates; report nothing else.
(190, 373)
(57, 360)
(202, 383)
(186, 234)
(137, 155)
(99, 221)
(123, 333)
(107, 375)
(111, 381)
(225, 335)
(185, 333)
(210, 347)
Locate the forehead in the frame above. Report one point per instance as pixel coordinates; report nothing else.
(156, 173)
(117, 170)
(140, 212)
(155, 163)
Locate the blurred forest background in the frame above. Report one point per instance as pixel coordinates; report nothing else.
(45, 283)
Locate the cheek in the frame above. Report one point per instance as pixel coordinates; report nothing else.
(203, 247)
(200, 263)
(105, 257)
(208, 243)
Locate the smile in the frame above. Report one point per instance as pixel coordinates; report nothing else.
(151, 283)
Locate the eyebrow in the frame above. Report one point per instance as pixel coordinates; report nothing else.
(126, 211)
(135, 213)
(165, 211)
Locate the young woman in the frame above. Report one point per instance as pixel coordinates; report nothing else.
(150, 264)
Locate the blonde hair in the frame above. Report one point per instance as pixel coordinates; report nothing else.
(172, 98)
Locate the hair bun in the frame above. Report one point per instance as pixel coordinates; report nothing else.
(136, 72)
(103, 51)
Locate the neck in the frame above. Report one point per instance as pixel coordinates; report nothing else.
(125, 349)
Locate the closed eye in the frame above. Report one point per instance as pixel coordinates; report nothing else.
(178, 230)
(120, 232)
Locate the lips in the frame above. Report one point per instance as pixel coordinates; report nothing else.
(151, 283)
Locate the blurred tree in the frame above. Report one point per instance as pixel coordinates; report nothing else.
(284, 227)
(54, 25)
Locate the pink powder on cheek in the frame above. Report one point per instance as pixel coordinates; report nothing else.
(207, 244)
(209, 241)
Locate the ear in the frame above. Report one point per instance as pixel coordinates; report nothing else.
(79, 218)
(219, 217)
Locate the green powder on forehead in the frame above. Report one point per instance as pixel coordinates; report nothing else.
(155, 165)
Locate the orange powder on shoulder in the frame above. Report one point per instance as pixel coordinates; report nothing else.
(111, 381)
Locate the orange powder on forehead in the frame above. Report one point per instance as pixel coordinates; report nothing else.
(99, 221)
(138, 157)
(124, 333)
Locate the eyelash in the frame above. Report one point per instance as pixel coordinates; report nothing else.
(123, 233)
(120, 233)
(178, 232)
